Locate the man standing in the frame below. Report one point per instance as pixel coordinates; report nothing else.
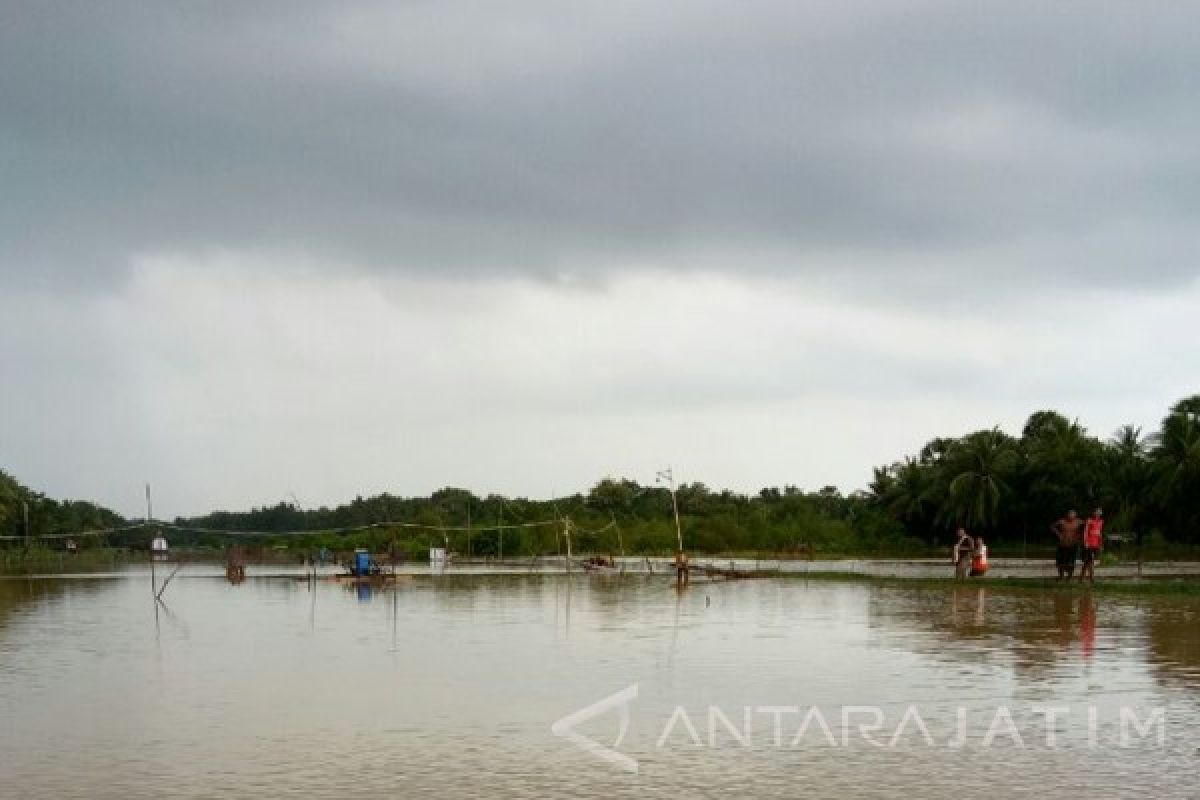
(681, 569)
(1067, 530)
(1093, 543)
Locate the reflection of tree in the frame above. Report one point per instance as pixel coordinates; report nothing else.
(1173, 633)
(1038, 631)
(12, 594)
(16, 592)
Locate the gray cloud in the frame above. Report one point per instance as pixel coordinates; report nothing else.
(331, 248)
(479, 137)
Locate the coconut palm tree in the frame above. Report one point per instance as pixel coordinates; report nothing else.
(981, 466)
(1062, 466)
(911, 496)
(1127, 468)
(1176, 467)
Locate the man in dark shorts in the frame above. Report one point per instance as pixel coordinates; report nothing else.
(1068, 530)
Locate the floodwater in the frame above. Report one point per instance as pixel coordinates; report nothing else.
(450, 686)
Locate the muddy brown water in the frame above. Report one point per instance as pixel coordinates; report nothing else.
(451, 686)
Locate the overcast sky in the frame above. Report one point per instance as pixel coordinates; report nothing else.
(257, 251)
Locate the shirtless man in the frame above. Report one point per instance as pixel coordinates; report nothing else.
(1067, 530)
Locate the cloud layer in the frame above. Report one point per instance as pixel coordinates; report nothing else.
(530, 139)
(253, 249)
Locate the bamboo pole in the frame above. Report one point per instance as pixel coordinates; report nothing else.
(163, 588)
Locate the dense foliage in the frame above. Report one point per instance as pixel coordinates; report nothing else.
(1010, 488)
(615, 516)
(1013, 488)
(46, 515)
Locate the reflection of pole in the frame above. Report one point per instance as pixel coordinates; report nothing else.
(567, 610)
(674, 631)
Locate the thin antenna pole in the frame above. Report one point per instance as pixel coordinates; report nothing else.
(620, 542)
(153, 573)
(669, 474)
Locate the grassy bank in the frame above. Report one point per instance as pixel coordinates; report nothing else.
(19, 561)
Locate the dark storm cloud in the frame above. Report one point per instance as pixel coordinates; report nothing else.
(538, 138)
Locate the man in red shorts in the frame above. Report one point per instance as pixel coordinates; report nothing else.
(1093, 543)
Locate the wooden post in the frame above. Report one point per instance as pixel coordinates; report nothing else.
(670, 474)
(153, 573)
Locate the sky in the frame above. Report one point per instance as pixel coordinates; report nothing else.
(297, 251)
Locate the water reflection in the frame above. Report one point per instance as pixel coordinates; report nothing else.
(1173, 636)
(23, 597)
(449, 683)
(1042, 634)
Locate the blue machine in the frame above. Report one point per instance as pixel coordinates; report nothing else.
(362, 562)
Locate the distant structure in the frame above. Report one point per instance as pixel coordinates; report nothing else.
(159, 548)
(437, 559)
(235, 565)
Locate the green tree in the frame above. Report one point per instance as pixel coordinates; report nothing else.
(1176, 467)
(613, 497)
(981, 466)
(912, 498)
(1128, 483)
(1061, 467)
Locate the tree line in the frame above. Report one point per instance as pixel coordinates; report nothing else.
(1009, 488)
(1014, 487)
(614, 516)
(23, 510)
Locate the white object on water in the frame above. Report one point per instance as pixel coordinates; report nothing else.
(158, 545)
(437, 557)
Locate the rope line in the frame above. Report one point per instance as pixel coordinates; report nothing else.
(316, 532)
(596, 532)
